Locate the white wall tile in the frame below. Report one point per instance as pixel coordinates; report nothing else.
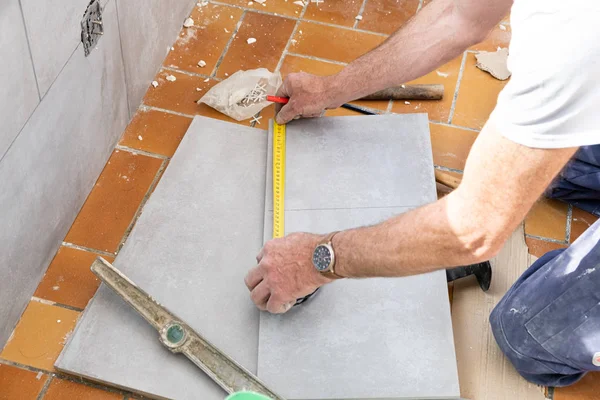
(53, 164)
(19, 94)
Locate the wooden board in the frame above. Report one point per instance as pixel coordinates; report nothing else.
(484, 373)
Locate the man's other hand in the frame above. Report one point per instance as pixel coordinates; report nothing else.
(309, 96)
(285, 272)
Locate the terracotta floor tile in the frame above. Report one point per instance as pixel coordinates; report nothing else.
(20, 384)
(438, 110)
(180, 95)
(386, 16)
(280, 7)
(40, 335)
(477, 96)
(451, 145)
(338, 12)
(213, 27)
(338, 44)
(155, 131)
(547, 218)
(114, 200)
(581, 220)
(61, 389)
(498, 37)
(69, 279)
(271, 33)
(540, 247)
(300, 64)
(588, 388)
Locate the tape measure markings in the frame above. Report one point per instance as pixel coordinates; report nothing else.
(278, 180)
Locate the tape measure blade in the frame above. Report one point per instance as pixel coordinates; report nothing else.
(278, 180)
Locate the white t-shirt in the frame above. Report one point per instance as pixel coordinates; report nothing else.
(553, 97)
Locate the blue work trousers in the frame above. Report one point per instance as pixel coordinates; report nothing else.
(548, 323)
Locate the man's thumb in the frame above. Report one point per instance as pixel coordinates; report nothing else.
(285, 115)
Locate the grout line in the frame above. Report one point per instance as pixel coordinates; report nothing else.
(190, 73)
(316, 58)
(36, 107)
(447, 169)
(123, 60)
(60, 375)
(454, 126)
(360, 12)
(458, 81)
(37, 84)
(545, 239)
(297, 18)
(138, 212)
(388, 110)
(45, 387)
(289, 42)
(88, 249)
(146, 107)
(142, 152)
(229, 42)
(568, 226)
(53, 303)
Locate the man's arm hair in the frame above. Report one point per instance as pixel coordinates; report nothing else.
(502, 180)
(441, 31)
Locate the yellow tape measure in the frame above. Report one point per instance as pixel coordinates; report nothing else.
(278, 180)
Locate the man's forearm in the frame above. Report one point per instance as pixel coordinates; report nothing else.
(502, 180)
(437, 34)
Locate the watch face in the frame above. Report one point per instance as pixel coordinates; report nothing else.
(322, 257)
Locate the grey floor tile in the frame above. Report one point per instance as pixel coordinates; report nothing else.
(197, 236)
(359, 339)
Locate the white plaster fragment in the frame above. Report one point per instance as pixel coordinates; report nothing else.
(502, 27)
(225, 29)
(198, 89)
(201, 63)
(442, 74)
(207, 79)
(155, 84)
(140, 137)
(299, 3)
(250, 3)
(251, 40)
(358, 17)
(171, 78)
(58, 321)
(260, 1)
(403, 86)
(39, 375)
(188, 23)
(55, 288)
(407, 102)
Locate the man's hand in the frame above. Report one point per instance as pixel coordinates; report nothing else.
(309, 96)
(285, 272)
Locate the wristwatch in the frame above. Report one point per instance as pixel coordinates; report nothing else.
(324, 258)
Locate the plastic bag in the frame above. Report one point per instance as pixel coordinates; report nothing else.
(243, 94)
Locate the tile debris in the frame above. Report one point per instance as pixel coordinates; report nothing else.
(155, 84)
(260, 1)
(358, 17)
(171, 78)
(496, 63)
(140, 137)
(403, 86)
(250, 3)
(188, 23)
(39, 375)
(317, 2)
(201, 63)
(300, 3)
(502, 27)
(198, 89)
(55, 288)
(225, 29)
(407, 102)
(207, 79)
(442, 74)
(251, 40)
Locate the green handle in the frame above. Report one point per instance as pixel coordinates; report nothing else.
(247, 396)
